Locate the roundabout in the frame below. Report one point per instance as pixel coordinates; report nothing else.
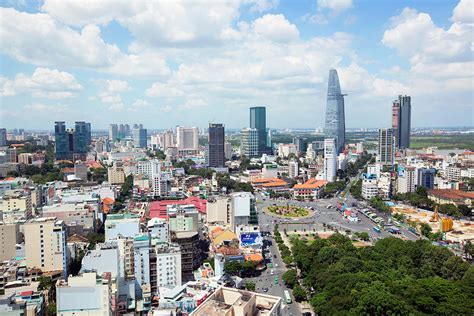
(288, 211)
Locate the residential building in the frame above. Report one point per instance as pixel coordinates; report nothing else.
(124, 225)
(386, 147)
(335, 127)
(187, 140)
(229, 301)
(219, 211)
(9, 237)
(406, 179)
(369, 186)
(228, 151)
(16, 205)
(404, 121)
(216, 146)
(249, 143)
(453, 173)
(311, 189)
(86, 295)
(168, 140)
(243, 205)
(80, 170)
(168, 265)
(188, 241)
(25, 158)
(284, 150)
(158, 230)
(116, 174)
(45, 244)
(139, 136)
(293, 169)
(330, 159)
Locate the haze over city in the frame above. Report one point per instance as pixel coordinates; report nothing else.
(210, 61)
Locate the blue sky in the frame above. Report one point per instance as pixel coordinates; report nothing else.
(167, 63)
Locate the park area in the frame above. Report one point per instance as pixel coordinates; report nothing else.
(289, 211)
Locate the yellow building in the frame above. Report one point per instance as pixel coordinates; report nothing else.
(15, 205)
(45, 244)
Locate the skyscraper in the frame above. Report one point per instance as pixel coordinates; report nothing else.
(113, 132)
(249, 142)
(258, 121)
(395, 115)
(71, 143)
(330, 159)
(386, 148)
(335, 121)
(3, 137)
(139, 136)
(404, 121)
(216, 146)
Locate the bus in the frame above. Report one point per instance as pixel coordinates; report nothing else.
(376, 229)
(287, 297)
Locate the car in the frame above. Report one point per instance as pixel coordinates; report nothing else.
(265, 289)
(272, 272)
(274, 256)
(276, 265)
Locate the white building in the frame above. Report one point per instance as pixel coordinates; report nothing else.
(168, 265)
(219, 211)
(84, 295)
(284, 150)
(228, 151)
(187, 139)
(406, 179)
(249, 142)
(369, 188)
(293, 169)
(384, 184)
(116, 174)
(242, 204)
(386, 146)
(125, 225)
(158, 229)
(330, 159)
(453, 173)
(310, 152)
(342, 160)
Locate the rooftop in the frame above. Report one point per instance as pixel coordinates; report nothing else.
(451, 194)
(311, 184)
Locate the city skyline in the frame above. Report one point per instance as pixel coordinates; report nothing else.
(123, 74)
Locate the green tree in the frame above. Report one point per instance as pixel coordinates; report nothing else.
(250, 286)
(299, 293)
(233, 267)
(290, 278)
(425, 230)
(363, 236)
(51, 310)
(45, 283)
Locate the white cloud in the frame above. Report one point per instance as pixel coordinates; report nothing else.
(43, 83)
(262, 5)
(162, 90)
(46, 108)
(110, 91)
(464, 12)
(335, 5)
(275, 27)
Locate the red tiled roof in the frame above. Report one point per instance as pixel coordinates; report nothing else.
(158, 208)
(451, 194)
(311, 184)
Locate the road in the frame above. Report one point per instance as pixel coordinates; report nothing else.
(318, 221)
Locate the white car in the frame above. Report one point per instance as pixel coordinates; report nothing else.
(271, 272)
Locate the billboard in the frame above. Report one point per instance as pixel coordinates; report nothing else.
(250, 239)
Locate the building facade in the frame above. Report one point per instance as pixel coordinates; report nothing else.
(386, 147)
(249, 142)
(258, 120)
(139, 136)
(330, 159)
(216, 146)
(404, 121)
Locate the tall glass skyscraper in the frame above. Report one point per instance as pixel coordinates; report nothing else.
(404, 121)
(335, 126)
(216, 156)
(258, 121)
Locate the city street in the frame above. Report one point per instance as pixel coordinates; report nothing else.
(321, 215)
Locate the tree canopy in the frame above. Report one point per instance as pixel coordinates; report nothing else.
(393, 277)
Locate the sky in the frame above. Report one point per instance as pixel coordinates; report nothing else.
(168, 63)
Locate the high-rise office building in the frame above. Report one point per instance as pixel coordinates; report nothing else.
(395, 115)
(72, 143)
(301, 143)
(139, 136)
(426, 177)
(258, 120)
(113, 132)
(330, 159)
(386, 146)
(335, 120)
(404, 121)
(187, 139)
(216, 153)
(3, 137)
(249, 142)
